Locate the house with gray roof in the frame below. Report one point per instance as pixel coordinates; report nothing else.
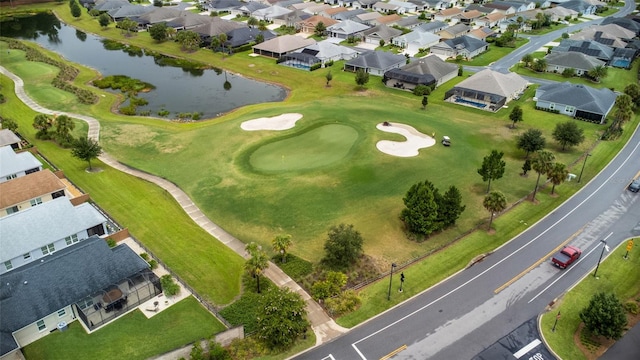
(292, 18)
(626, 23)
(281, 45)
(380, 32)
(327, 51)
(436, 4)
(268, 14)
(41, 230)
(8, 138)
(128, 11)
(576, 100)
(428, 71)
(454, 31)
(224, 6)
(30, 190)
(558, 13)
(587, 47)
(412, 42)
(375, 62)
(67, 286)
(487, 90)
(246, 35)
(364, 4)
(109, 5)
(14, 165)
(248, 8)
(611, 35)
(189, 21)
(432, 26)
(346, 29)
(216, 26)
(558, 62)
(157, 15)
(580, 6)
(466, 46)
(348, 15)
(409, 22)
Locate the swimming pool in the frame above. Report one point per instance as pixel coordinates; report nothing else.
(472, 103)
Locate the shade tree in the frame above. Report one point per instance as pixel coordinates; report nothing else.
(492, 167)
(343, 247)
(515, 116)
(530, 141)
(86, 149)
(568, 134)
(281, 318)
(604, 316)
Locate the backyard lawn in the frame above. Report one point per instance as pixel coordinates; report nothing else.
(132, 336)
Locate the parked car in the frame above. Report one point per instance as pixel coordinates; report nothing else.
(566, 256)
(634, 186)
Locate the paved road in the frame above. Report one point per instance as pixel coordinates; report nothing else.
(323, 326)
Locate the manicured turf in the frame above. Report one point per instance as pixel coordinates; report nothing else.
(615, 274)
(133, 336)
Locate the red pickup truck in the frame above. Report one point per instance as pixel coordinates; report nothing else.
(566, 256)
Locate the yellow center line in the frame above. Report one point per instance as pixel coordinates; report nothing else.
(393, 353)
(544, 258)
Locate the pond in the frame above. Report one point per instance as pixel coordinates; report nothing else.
(177, 90)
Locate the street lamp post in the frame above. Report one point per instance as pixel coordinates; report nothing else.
(600, 259)
(393, 266)
(583, 164)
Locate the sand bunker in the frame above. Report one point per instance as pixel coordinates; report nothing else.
(280, 122)
(415, 140)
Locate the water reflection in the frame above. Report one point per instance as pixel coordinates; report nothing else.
(180, 88)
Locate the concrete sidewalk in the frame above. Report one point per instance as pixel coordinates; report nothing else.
(323, 326)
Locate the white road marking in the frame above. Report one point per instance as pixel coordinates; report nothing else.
(527, 348)
(354, 345)
(330, 357)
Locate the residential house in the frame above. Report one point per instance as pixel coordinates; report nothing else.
(487, 90)
(611, 35)
(222, 6)
(375, 62)
(490, 20)
(557, 62)
(454, 31)
(559, 13)
(364, 4)
(41, 230)
(30, 190)
(157, 15)
(270, 13)
(409, 22)
(519, 6)
(576, 100)
(465, 46)
(428, 71)
(446, 14)
(500, 6)
(8, 138)
(432, 27)
(246, 35)
(332, 12)
(368, 18)
(327, 51)
(47, 295)
(389, 20)
(189, 21)
(413, 42)
(281, 45)
(540, 4)
(215, 27)
(483, 9)
(346, 29)
(591, 48)
(436, 4)
(128, 11)
(309, 25)
(469, 17)
(388, 8)
(580, 6)
(626, 23)
(482, 33)
(407, 6)
(348, 15)
(248, 8)
(14, 165)
(380, 33)
(291, 19)
(316, 9)
(109, 5)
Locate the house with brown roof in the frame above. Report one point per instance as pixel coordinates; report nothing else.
(490, 20)
(30, 190)
(454, 31)
(332, 11)
(281, 45)
(446, 14)
(482, 33)
(487, 90)
(309, 25)
(469, 17)
(8, 138)
(388, 20)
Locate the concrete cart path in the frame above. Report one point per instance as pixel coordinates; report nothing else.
(323, 326)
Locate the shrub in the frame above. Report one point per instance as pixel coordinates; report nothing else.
(111, 242)
(153, 264)
(169, 286)
(145, 256)
(421, 90)
(163, 112)
(632, 307)
(344, 303)
(315, 66)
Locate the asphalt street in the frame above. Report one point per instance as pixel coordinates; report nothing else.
(473, 310)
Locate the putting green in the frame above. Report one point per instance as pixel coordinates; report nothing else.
(317, 147)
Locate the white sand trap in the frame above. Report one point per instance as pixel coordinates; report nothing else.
(280, 122)
(415, 140)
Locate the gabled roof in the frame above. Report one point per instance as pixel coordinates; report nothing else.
(294, 16)
(129, 11)
(560, 11)
(610, 35)
(493, 82)
(272, 11)
(449, 11)
(481, 8)
(218, 26)
(41, 288)
(284, 43)
(481, 33)
(245, 35)
(316, 19)
(432, 26)
(432, 65)
(346, 15)
(252, 6)
(574, 60)
(471, 14)
(457, 29)
(348, 27)
(377, 60)
(420, 37)
(7, 137)
(12, 163)
(333, 11)
(383, 32)
(29, 187)
(225, 4)
(40, 225)
(582, 97)
(327, 50)
(409, 21)
(368, 16)
(388, 19)
(466, 42)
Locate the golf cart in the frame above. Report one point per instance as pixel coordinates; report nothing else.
(446, 141)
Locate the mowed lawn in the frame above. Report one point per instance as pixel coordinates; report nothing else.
(132, 336)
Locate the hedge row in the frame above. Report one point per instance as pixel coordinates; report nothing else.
(65, 75)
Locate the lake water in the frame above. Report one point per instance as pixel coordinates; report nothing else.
(177, 90)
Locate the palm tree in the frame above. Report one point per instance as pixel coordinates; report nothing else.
(495, 202)
(64, 125)
(280, 244)
(171, 32)
(223, 39)
(597, 72)
(527, 59)
(252, 22)
(541, 162)
(258, 262)
(557, 175)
